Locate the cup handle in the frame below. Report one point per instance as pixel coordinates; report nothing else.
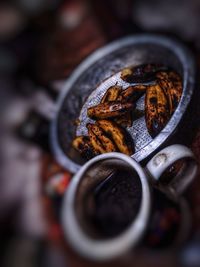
(165, 158)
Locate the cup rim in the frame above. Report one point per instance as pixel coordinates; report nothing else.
(101, 250)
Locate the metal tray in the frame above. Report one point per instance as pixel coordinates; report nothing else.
(100, 70)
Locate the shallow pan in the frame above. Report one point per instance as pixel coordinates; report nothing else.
(84, 88)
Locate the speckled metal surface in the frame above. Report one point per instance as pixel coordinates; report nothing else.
(85, 88)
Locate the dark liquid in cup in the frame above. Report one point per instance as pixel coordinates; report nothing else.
(116, 202)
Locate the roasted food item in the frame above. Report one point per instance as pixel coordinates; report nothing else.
(83, 145)
(157, 112)
(103, 136)
(96, 143)
(106, 142)
(171, 83)
(111, 94)
(109, 110)
(142, 73)
(119, 135)
(132, 93)
(125, 120)
(117, 109)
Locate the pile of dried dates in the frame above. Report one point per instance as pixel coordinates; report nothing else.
(162, 87)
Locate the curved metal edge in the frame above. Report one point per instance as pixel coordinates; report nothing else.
(179, 50)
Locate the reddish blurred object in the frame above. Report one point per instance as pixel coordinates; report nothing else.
(71, 13)
(55, 232)
(76, 34)
(57, 184)
(50, 168)
(55, 181)
(115, 17)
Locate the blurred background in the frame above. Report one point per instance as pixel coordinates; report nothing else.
(41, 43)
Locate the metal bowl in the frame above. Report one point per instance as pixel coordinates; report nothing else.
(84, 88)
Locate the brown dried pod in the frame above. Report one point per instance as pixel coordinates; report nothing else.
(132, 93)
(83, 145)
(109, 110)
(171, 83)
(119, 135)
(111, 94)
(125, 120)
(96, 143)
(142, 73)
(157, 111)
(106, 142)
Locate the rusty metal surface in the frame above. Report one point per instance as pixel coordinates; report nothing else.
(85, 88)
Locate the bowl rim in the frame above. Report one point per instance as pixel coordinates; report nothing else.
(187, 62)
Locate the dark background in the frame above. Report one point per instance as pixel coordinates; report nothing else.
(41, 42)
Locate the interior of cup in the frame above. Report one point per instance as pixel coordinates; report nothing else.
(108, 199)
(91, 77)
(178, 175)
